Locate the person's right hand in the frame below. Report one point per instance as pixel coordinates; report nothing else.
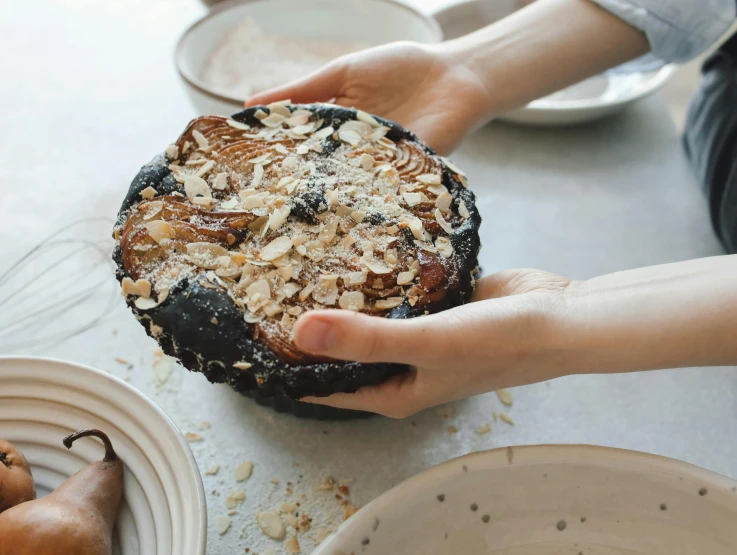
(421, 87)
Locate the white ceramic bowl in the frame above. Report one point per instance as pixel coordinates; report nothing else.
(371, 22)
(44, 400)
(550, 500)
(592, 99)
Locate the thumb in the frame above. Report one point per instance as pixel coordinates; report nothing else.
(348, 335)
(320, 86)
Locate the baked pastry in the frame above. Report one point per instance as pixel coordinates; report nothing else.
(246, 222)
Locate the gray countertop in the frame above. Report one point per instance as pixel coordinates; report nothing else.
(89, 94)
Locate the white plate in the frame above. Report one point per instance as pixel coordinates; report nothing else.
(44, 400)
(371, 22)
(550, 500)
(592, 99)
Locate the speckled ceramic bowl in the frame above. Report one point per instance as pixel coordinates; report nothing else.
(43, 400)
(552, 500)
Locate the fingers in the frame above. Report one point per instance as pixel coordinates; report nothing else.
(395, 398)
(348, 335)
(320, 86)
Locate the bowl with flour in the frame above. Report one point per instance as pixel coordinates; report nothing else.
(246, 46)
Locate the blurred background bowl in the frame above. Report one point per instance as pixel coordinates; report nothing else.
(372, 22)
(43, 400)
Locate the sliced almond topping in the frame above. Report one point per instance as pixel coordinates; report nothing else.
(172, 152)
(444, 246)
(506, 418)
(205, 168)
(195, 187)
(392, 230)
(405, 277)
(425, 246)
(303, 149)
(452, 167)
(366, 161)
(415, 226)
(258, 174)
(280, 107)
(273, 120)
(140, 287)
(281, 148)
(436, 190)
(287, 273)
(222, 523)
(271, 525)
(429, 178)
(229, 204)
(284, 181)
(201, 140)
(220, 183)
(463, 210)
(290, 288)
(278, 247)
(160, 230)
(378, 133)
(306, 292)
(326, 291)
(412, 199)
(243, 472)
(238, 125)
(212, 470)
(278, 217)
(148, 193)
(297, 119)
(358, 215)
(375, 266)
(185, 147)
(351, 300)
(444, 201)
(205, 255)
(242, 365)
(329, 229)
(441, 221)
(260, 288)
(367, 118)
(354, 278)
(292, 545)
(252, 202)
(350, 137)
(504, 396)
(143, 303)
(260, 114)
(304, 129)
(263, 159)
(324, 133)
(290, 163)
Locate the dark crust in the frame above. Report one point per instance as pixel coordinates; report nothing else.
(184, 321)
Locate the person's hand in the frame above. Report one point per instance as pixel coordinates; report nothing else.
(418, 86)
(526, 326)
(498, 341)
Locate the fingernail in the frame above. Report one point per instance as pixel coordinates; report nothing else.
(319, 336)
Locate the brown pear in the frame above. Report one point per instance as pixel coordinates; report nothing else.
(76, 519)
(16, 481)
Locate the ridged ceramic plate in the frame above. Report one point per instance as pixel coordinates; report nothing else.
(43, 400)
(552, 500)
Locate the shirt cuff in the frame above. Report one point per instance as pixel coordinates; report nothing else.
(678, 30)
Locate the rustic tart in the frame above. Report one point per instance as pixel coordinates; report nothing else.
(247, 222)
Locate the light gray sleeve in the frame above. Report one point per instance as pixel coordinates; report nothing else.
(678, 30)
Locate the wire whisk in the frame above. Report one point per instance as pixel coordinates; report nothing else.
(60, 288)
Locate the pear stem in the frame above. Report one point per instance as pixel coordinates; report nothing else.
(110, 455)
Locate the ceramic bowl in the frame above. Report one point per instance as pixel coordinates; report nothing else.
(44, 400)
(592, 99)
(371, 22)
(557, 499)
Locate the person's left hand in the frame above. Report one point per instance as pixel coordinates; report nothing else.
(500, 340)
